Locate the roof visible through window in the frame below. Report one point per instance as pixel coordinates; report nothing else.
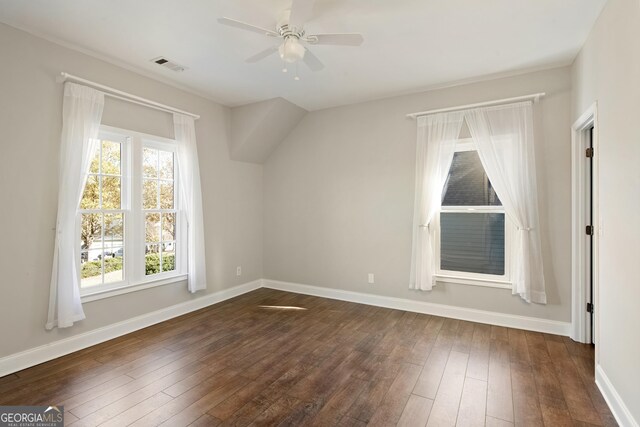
(467, 183)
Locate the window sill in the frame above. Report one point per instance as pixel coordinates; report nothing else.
(99, 294)
(487, 283)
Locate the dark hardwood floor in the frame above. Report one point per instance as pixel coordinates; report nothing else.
(275, 358)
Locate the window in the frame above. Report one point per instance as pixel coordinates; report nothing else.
(158, 203)
(473, 231)
(129, 216)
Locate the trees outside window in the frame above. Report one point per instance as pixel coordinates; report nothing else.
(129, 218)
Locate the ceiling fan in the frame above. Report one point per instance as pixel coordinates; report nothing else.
(290, 28)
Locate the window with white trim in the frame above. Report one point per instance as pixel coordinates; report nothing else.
(130, 231)
(473, 232)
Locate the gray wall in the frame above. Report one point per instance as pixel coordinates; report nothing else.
(339, 196)
(607, 70)
(30, 124)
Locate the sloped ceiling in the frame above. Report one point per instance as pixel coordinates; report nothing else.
(258, 128)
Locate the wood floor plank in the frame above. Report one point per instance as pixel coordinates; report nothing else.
(206, 421)
(416, 412)
(478, 366)
(519, 346)
(103, 410)
(395, 400)
(525, 397)
(499, 392)
(350, 422)
(473, 404)
(138, 411)
(200, 407)
(575, 394)
(225, 409)
(277, 412)
(251, 361)
(431, 375)
(369, 400)
(554, 411)
(339, 403)
(141, 388)
(496, 422)
(464, 337)
(445, 406)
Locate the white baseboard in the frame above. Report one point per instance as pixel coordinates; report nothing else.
(44, 353)
(469, 314)
(25, 359)
(613, 399)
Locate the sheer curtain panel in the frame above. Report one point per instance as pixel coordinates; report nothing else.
(437, 135)
(81, 114)
(191, 202)
(504, 137)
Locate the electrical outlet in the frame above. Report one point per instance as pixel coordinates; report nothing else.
(239, 271)
(371, 278)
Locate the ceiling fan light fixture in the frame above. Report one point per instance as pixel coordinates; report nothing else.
(291, 50)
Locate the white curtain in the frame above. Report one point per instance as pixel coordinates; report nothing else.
(189, 176)
(437, 136)
(81, 114)
(504, 138)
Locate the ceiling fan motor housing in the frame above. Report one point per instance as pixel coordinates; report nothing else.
(291, 50)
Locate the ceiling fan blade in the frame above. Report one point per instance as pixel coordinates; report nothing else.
(244, 26)
(312, 61)
(351, 39)
(300, 12)
(261, 55)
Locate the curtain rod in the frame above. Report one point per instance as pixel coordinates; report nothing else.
(124, 96)
(534, 97)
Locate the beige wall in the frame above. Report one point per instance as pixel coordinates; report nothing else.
(607, 71)
(339, 196)
(30, 124)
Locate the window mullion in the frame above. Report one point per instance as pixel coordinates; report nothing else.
(137, 220)
(103, 249)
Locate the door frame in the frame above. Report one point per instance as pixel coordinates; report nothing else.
(580, 319)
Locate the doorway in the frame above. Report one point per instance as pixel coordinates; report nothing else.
(585, 228)
(589, 232)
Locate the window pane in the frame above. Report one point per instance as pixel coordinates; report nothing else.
(91, 273)
(150, 162)
(113, 230)
(152, 259)
(152, 227)
(150, 194)
(467, 183)
(91, 195)
(166, 165)
(111, 192)
(113, 259)
(91, 234)
(168, 256)
(168, 226)
(94, 167)
(111, 158)
(166, 195)
(472, 242)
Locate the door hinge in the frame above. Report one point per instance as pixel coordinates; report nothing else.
(589, 307)
(589, 152)
(589, 230)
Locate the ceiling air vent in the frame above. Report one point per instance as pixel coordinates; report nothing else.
(167, 63)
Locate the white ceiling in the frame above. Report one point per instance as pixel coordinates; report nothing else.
(409, 44)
